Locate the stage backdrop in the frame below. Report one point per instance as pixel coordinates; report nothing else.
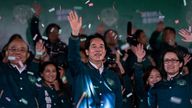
(144, 14)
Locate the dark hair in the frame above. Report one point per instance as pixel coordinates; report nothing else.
(147, 74)
(138, 33)
(91, 37)
(45, 64)
(49, 27)
(172, 30)
(172, 50)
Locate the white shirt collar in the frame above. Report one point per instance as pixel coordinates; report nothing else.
(19, 69)
(100, 69)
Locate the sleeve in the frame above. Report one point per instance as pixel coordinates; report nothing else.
(74, 59)
(119, 98)
(152, 100)
(34, 29)
(139, 83)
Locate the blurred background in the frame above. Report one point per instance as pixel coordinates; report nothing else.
(144, 14)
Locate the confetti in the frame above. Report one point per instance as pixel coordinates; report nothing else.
(32, 10)
(1, 93)
(39, 53)
(190, 29)
(11, 58)
(34, 38)
(89, 26)
(83, 39)
(87, 1)
(128, 95)
(29, 72)
(176, 21)
(60, 31)
(45, 37)
(98, 17)
(184, 3)
(8, 99)
(52, 29)
(125, 46)
(90, 4)
(175, 100)
(38, 85)
(43, 25)
(39, 79)
(51, 10)
(84, 26)
(23, 101)
(78, 7)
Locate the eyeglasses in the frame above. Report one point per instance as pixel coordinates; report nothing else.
(22, 50)
(166, 61)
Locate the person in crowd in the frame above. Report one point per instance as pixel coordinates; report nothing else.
(174, 90)
(57, 94)
(56, 49)
(144, 79)
(168, 41)
(19, 77)
(97, 86)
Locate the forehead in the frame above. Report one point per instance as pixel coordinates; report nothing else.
(169, 55)
(18, 43)
(96, 41)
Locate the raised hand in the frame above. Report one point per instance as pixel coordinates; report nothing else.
(37, 9)
(139, 52)
(75, 23)
(186, 35)
(187, 58)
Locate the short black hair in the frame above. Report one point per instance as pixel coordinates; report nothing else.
(91, 37)
(178, 54)
(49, 27)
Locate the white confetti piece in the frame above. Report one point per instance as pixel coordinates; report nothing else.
(98, 17)
(87, 1)
(52, 29)
(8, 99)
(175, 100)
(23, 101)
(51, 10)
(39, 53)
(32, 10)
(83, 39)
(78, 7)
(1, 93)
(34, 38)
(46, 93)
(39, 79)
(38, 85)
(190, 29)
(89, 26)
(45, 37)
(11, 58)
(29, 72)
(184, 2)
(128, 95)
(90, 4)
(84, 26)
(60, 31)
(43, 25)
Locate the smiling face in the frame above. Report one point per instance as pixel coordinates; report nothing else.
(49, 74)
(154, 77)
(18, 49)
(171, 63)
(96, 51)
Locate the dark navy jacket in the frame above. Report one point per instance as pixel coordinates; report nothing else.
(93, 89)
